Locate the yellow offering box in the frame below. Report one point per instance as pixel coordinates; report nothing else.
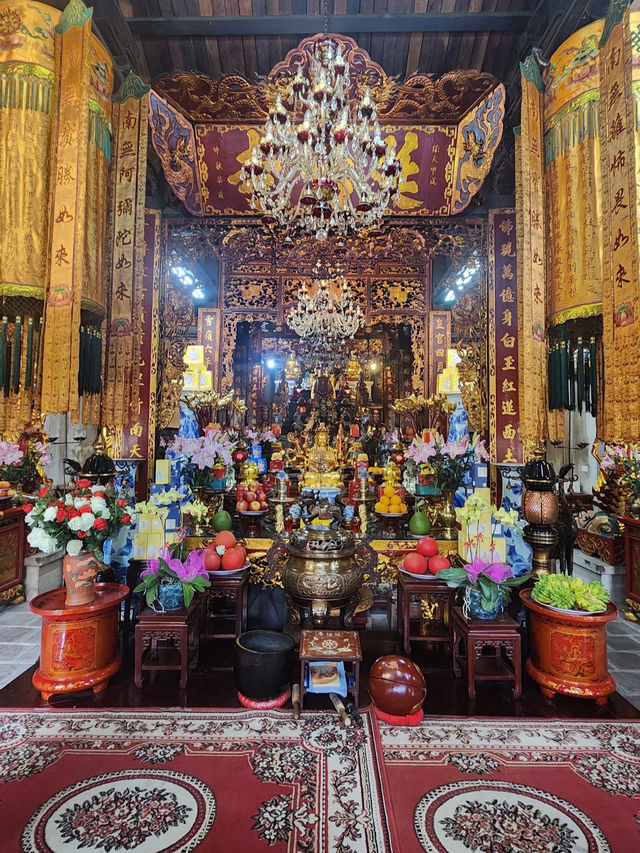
(194, 355)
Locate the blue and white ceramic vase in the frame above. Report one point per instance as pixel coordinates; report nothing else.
(170, 596)
(473, 605)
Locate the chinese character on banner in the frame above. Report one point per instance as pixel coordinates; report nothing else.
(505, 442)
(438, 343)
(209, 321)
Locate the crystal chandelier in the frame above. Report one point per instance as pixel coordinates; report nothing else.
(319, 168)
(325, 317)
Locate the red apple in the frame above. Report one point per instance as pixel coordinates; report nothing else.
(254, 506)
(260, 496)
(427, 546)
(264, 505)
(242, 506)
(438, 563)
(415, 563)
(250, 496)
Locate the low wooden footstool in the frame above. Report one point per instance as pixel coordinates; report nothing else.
(437, 629)
(502, 635)
(320, 645)
(167, 641)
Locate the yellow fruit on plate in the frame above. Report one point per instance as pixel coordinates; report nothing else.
(396, 500)
(380, 507)
(403, 508)
(388, 492)
(5, 484)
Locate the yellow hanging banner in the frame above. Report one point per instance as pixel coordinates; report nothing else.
(532, 361)
(621, 296)
(60, 354)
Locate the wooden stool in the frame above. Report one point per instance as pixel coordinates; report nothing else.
(225, 585)
(501, 634)
(181, 628)
(438, 628)
(336, 646)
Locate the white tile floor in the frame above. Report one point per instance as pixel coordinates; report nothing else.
(19, 641)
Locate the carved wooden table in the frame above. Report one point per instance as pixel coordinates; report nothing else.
(568, 651)
(79, 645)
(321, 645)
(225, 586)
(437, 626)
(501, 634)
(167, 641)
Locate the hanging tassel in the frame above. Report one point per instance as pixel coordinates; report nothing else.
(3, 350)
(571, 375)
(28, 375)
(587, 381)
(17, 353)
(593, 358)
(564, 376)
(96, 362)
(550, 378)
(580, 375)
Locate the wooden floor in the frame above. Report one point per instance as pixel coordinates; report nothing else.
(211, 685)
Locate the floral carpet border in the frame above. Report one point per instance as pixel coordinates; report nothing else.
(329, 778)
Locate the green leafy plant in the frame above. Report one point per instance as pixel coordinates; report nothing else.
(569, 593)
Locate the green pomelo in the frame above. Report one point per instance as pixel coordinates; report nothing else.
(222, 521)
(419, 524)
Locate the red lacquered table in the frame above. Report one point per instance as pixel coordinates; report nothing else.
(78, 645)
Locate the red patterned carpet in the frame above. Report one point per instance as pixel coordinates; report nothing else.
(517, 786)
(170, 781)
(177, 781)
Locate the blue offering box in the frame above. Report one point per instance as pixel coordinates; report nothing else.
(256, 452)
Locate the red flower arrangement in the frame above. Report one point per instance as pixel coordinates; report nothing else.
(81, 520)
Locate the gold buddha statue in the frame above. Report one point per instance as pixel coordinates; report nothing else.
(322, 466)
(391, 474)
(248, 472)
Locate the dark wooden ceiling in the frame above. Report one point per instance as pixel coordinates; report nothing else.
(165, 34)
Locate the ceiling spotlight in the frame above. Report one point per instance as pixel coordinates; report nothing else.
(198, 293)
(271, 363)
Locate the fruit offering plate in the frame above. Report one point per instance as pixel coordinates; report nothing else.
(391, 514)
(572, 612)
(220, 572)
(424, 575)
(252, 511)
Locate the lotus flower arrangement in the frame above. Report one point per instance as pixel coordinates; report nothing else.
(450, 460)
(200, 456)
(22, 461)
(169, 568)
(489, 579)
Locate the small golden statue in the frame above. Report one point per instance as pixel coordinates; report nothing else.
(391, 474)
(321, 467)
(248, 472)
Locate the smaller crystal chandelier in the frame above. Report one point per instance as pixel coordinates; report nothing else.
(319, 168)
(325, 317)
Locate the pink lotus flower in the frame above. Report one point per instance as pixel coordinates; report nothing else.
(10, 453)
(498, 572)
(475, 568)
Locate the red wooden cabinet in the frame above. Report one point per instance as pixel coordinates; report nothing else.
(11, 554)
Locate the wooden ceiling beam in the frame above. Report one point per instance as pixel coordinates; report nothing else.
(275, 25)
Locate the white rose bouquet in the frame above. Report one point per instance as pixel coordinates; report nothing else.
(81, 520)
